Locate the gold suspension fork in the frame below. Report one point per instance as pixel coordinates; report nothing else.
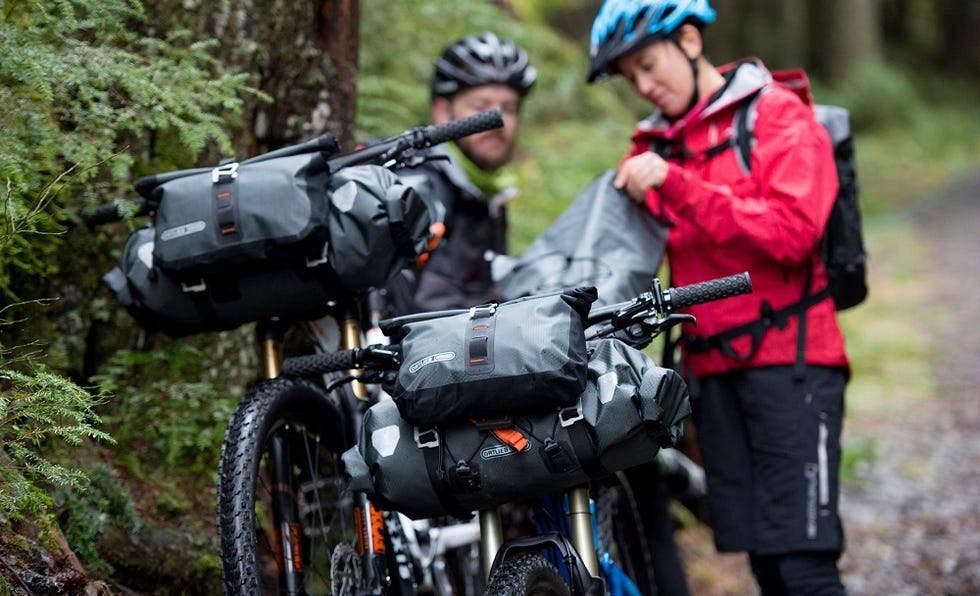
(350, 338)
(270, 334)
(580, 518)
(491, 538)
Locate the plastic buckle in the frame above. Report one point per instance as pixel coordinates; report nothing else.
(426, 439)
(198, 287)
(571, 415)
(482, 312)
(225, 173)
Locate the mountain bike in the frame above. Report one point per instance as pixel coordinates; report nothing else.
(527, 565)
(282, 503)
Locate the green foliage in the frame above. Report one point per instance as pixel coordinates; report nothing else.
(857, 456)
(78, 87)
(84, 514)
(156, 410)
(36, 409)
(894, 101)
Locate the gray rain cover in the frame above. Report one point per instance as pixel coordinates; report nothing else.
(630, 408)
(603, 239)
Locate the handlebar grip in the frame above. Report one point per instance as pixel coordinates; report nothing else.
(457, 129)
(318, 364)
(110, 213)
(707, 291)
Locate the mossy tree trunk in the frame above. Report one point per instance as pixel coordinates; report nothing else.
(302, 54)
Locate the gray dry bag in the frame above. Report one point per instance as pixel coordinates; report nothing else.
(267, 238)
(493, 360)
(602, 239)
(629, 409)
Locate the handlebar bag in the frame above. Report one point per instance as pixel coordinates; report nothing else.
(602, 239)
(630, 408)
(492, 360)
(289, 211)
(159, 302)
(303, 237)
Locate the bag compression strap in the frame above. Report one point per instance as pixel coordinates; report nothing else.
(224, 189)
(430, 442)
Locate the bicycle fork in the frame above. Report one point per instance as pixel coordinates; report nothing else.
(579, 513)
(368, 520)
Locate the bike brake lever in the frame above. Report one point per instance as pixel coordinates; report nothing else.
(627, 315)
(385, 356)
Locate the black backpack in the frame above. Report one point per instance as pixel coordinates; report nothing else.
(842, 247)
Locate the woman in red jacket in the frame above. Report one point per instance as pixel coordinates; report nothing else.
(767, 370)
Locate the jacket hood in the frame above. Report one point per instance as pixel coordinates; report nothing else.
(745, 78)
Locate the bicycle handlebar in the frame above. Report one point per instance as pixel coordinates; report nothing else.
(651, 311)
(396, 150)
(110, 213)
(391, 153)
(707, 291)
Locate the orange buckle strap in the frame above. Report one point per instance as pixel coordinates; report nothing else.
(511, 437)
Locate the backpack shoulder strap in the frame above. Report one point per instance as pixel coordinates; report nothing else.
(742, 139)
(743, 131)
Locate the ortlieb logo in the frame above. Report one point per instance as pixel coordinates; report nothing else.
(440, 357)
(499, 451)
(184, 230)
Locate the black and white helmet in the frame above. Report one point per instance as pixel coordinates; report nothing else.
(481, 60)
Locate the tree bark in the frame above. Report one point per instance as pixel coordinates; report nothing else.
(960, 20)
(301, 54)
(853, 36)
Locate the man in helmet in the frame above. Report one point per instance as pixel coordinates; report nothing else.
(472, 179)
(767, 371)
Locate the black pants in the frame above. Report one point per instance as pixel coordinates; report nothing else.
(771, 449)
(792, 574)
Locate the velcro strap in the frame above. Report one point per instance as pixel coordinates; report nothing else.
(585, 450)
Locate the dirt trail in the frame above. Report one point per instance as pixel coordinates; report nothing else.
(912, 517)
(913, 525)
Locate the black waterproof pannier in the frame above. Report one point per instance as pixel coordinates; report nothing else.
(492, 360)
(276, 237)
(602, 239)
(629, 410)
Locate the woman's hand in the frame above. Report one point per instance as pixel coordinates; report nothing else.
(639, 174)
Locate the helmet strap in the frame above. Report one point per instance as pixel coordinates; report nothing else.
(694, 72)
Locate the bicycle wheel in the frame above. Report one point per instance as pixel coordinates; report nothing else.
(285, 516)
(621, 531)
(527, 574)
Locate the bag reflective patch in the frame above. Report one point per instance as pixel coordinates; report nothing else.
(385, 440)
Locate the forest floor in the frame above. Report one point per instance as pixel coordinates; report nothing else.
(910, 499)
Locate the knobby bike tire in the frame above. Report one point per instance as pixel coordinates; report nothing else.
(527, 574)
(309, 426)
(621, 531)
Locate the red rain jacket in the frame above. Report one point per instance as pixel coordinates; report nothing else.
(767, 221)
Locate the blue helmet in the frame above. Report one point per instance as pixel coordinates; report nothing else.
(625, 25)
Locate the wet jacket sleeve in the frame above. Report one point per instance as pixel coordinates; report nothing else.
(782, 207)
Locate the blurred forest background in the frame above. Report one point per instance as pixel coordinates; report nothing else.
(110, 436)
